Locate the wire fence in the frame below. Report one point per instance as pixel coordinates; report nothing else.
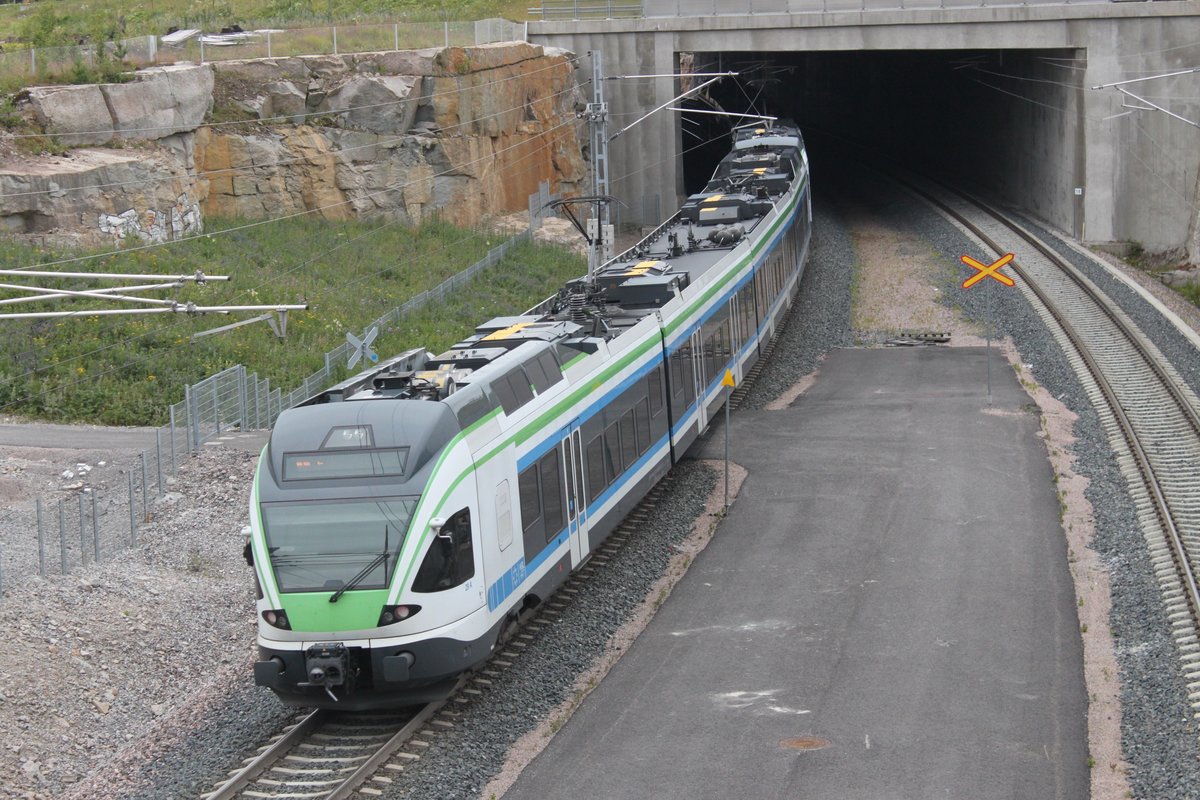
(143, 51)
(59, 535)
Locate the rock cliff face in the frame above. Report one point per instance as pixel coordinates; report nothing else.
(466, 132)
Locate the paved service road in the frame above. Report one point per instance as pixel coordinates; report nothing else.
(99, 437)
(891, 586)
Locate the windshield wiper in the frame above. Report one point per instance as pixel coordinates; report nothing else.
(363, 573)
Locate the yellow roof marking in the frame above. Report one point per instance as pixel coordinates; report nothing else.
(760, 170)
(642, 267)
(713, 199)
(504, 333)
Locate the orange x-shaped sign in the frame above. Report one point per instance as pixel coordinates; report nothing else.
(986, 270)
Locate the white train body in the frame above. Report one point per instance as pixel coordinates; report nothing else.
(401, 519)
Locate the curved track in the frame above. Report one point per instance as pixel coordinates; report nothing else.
(1149, 413)
(328, 755)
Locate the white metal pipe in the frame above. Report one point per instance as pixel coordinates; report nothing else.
(179, 308)
(116, 276)
(50, 294)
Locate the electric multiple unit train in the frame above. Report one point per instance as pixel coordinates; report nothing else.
(401, 520)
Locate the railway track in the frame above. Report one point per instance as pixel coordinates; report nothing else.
(1150, 415)
(330, 755)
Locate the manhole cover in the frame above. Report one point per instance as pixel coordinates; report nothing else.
(804, 743)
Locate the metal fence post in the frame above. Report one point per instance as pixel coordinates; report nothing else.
(62, 536)
(82, 535)
(193, 414)
(446, 31)
(41, 541)
(396, 33)
(202, 49)
(335, 52)
(132, 511)
(95, 528)
(158, 458)
(268, 44)
(174, 467)
(145, 500)
(242, 397)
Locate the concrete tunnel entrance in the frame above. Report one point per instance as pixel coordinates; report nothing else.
(1007, 122)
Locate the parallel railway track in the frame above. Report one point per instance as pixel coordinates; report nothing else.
(1150, 415)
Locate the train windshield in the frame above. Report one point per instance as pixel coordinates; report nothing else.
(331, 545)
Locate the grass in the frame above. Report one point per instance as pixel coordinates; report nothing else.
(55, 23)
(127, 370)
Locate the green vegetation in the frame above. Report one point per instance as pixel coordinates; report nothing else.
(56, 23)
(1192, 293)
(127, 370)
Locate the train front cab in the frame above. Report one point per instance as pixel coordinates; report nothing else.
(335, 627)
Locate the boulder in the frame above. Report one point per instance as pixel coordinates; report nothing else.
(405, 62)
(78, 109)
(1179, 278)
(162, 101)
(283, 99)
(462, 60)
(374, 103)
(257, 71)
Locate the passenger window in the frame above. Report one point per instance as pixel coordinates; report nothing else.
(450, 561)
(550, 365)
(552, 503)
(612, 453)
(504, 393)
(654, 386)
(595, 468)
(537, 376)
(531, 503)
(519, 382)
(643, 427)
(628, 440)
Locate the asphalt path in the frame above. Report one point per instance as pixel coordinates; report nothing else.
(886, 612)
(100, 437)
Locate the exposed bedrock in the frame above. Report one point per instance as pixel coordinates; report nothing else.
(465, 132)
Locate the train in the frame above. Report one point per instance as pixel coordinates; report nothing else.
(403, 520)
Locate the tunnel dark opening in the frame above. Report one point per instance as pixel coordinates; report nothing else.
(1007, 122)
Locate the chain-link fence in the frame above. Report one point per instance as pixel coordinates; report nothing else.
(142, 51)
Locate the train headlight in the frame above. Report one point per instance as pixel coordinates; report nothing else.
(393, 614)
(277, 619)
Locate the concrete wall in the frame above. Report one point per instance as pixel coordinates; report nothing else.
(1138, 172)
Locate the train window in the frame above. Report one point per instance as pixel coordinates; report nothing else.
(676, 373)
(531, 502)
(595, 467)
(643, 426)
(521, 387)
(654, 387)
(612, 452)
(504, 393)
(628, 440)
(537, 375)
(476, 407)
(550, 366)
(552, 502)
(450, 560)
(345, 464)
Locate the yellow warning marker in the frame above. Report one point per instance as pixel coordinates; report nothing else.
(728, 379)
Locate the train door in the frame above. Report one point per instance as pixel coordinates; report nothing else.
(700, 378)
(572, 458)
